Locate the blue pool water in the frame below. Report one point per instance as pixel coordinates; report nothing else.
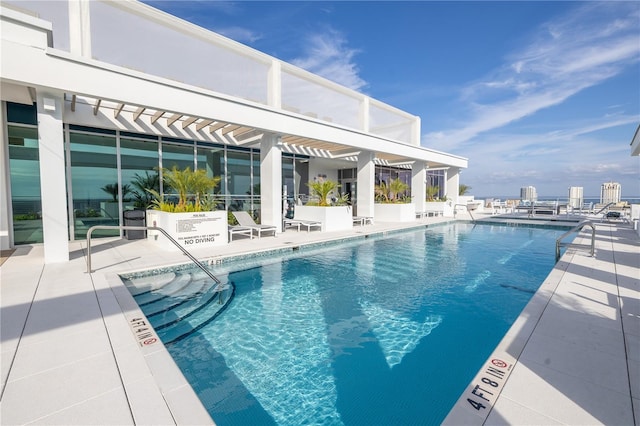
(382, 331)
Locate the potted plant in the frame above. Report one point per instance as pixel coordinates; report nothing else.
(326, 206)
(435, 205)
(189, 218)
(392, 202)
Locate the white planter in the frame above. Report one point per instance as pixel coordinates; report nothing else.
(405, 212)
(445, 208)
(190, 230)
(334, 218)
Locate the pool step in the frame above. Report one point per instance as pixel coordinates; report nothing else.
(181, 305)
(198, 318)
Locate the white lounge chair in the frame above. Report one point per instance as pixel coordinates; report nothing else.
(239, 230)
(362, 220)
(297, 223)
(247, 221)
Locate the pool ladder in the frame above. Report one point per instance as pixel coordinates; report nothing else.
(465, 206)
(151, 228)
(576, 229)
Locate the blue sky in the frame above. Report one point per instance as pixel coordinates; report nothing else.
(533, 93)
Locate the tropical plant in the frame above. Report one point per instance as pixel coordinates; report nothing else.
(191, 186)
(394, 192)
(322, 189)
(141, 185)
(463, 189)
(112, 189)
(432, 192)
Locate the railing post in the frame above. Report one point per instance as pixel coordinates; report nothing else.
(153, 228)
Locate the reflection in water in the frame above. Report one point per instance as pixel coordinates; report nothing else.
(479, 279)
(503, 260)
(281, 356)
(397, 335)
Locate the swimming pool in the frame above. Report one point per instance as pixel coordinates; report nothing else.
(380, 331)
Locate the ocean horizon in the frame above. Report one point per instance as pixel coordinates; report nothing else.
(563, 198)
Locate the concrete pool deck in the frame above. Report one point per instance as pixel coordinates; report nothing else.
(75, 352)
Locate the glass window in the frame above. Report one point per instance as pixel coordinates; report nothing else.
(20, 113)
(239, 179)
(211, 158)
(139, 164)
(24, 168)
(180, 156)
(94, 183)
(435, 185)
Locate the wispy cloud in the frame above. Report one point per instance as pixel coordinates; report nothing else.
(595, 42)
(328, 55)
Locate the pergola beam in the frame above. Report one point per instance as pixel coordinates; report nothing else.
(218, 125)
(204, 123)
(230, 128)
(138, 112)
(156, 116)
(118, 110)
(173, 119)
(96, 106)
(186, 123)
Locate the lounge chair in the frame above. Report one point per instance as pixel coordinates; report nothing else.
(297, 223)
(247, 221)
(239, 230)
(362, 220)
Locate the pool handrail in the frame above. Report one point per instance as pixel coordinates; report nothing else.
(578, 228)
(465, 206)
(145, 228)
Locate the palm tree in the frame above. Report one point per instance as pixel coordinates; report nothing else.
(432, 191)
(322, 189)
(186, 183)
(142, 186)
(463, 189)
(112, 189)
(397, 187)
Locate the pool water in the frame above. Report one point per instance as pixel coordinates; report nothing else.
(383, 331)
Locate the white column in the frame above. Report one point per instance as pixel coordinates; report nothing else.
(5, 186)
(271, 181)
(274, 87)
(452, 176)
(80, 28)
(366, 183)
(419, 185)
(52, 177)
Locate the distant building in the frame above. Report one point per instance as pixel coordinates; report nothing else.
(528, 193)
(576, 197)
(610, 192)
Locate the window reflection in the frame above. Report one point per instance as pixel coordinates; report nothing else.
(24, 167)
(94, 184)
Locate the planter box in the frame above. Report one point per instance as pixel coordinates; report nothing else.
(190, 230)
(334, 218)
(445, 208)
(405, 212)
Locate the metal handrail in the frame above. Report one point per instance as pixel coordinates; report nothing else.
(468, 211)
(605, 208)
(145, 228)
(578, 228)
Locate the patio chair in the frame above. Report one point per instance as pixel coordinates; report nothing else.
(298, 223)
(239, 230)
(247, 221)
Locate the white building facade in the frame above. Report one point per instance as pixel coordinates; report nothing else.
(99, 96)
(528, 193)
(610, 192)
(576, 197)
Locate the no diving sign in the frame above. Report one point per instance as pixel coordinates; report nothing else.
(143, 332)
